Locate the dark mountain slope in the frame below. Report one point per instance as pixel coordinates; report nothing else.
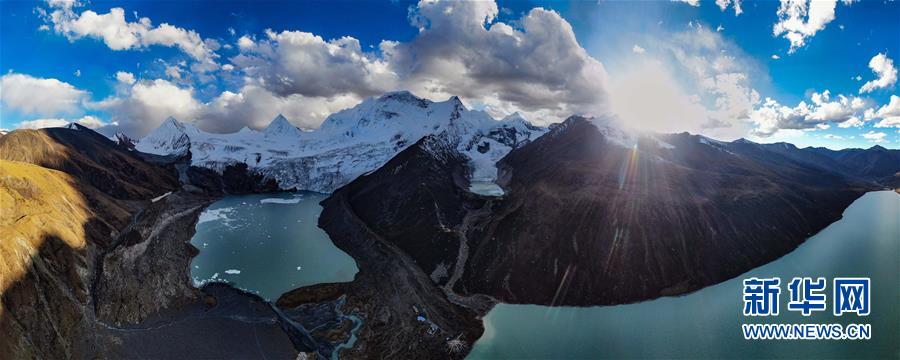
(875, 164)
(89, 157)
(400, 224)
(588, 220)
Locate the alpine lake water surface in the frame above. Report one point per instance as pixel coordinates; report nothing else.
(267, 244)
(707, 323)
(270, 244)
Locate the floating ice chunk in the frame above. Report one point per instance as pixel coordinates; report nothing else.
(215, 276)
(232, 272)
(216, 214)
(280, 201)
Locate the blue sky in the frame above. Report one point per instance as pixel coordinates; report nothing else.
(639, 47)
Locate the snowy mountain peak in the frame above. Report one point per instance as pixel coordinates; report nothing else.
(404, 96)
(280, 126)
(514, 117)
(170, 138)
(172, 123)
(349, 142)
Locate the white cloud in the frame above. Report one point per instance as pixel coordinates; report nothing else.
(723, 5)
(882, 66)
(824, 109)
(119, 34)
(889, 122)
(775, 57)
(694, 3)
(853, 121)
(88, 121)
(77, 73)
(174, 72)
(889, 114)
(255, 107)
(772, 116)
(461, 50)
(47, 97)
(833, 137)
(801, 19)
(144, 105)
(295, 62)
(637, 49)
(875, 137)
(125, 77)
(891, 109)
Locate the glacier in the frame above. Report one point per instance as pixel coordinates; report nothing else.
(349, 143)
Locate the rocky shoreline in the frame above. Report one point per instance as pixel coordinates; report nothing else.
(145, 299)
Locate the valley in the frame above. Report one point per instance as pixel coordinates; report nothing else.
(447, 221)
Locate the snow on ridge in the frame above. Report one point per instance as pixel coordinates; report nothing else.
(349, 142)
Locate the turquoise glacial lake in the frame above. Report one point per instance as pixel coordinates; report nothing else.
(267, 244)
(707, 323)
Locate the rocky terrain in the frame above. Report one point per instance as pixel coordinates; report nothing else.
(592, 215)
(104, 274)
(96, 234)
(96, 256)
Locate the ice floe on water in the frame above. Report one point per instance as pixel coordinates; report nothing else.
(232, 272)
(216, 214)
(295, 200)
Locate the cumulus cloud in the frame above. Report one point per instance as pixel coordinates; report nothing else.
(637, 49)
(771, 116)
(694, 3)
(46, 97)
(88, 121)
(295, 62)
(125, 77)
(461, 50)
(889, 114)
(724, 4)
(144, 105)
(119, 34)
(853, 121)
(802, 19)
(882, 66)
(875, 137)
(255, 107)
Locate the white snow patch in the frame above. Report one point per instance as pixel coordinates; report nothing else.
(158, 198)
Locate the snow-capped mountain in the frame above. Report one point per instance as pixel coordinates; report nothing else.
(349, 143)
(170, 138)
